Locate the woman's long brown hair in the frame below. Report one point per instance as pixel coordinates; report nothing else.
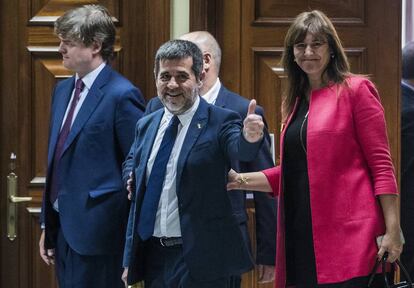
(319, 25)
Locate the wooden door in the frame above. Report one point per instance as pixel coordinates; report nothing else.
(251, 34)
(30, 67)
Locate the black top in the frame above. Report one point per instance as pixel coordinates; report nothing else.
(300, 259)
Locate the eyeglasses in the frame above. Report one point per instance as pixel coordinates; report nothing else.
(315, 45)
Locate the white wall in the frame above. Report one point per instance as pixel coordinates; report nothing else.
(180, 18)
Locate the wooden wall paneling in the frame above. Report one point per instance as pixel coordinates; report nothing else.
(388, 75)
(38, 62)
(141, 38)
(45, 12)
(357, 57)
(230, 42)
(279, 12)
(8, 72)
(200, 15)
(45, 71)
(158, 32)
(268, 84)
(132, 33)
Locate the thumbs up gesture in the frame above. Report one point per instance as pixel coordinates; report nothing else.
(253, 124)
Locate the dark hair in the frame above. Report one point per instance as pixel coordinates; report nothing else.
(319, 25)
(408, 61)
(88, 24)
(180, 49)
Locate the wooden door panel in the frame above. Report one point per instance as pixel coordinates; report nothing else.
(276, 12)
(268, 71)
(31, 66)
(47, 11)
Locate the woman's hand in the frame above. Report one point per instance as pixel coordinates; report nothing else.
(232, 180)
(251, 181)
(392, 242)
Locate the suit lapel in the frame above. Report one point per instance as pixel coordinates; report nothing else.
(62, 102)
(150, 134)
(148, 141)
(197, 125)
(92, 100)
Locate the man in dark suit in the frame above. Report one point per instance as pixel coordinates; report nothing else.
(265, 212)
(93, 114)
(407, 156)
(190, 237)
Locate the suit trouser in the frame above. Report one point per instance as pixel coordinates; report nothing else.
(235, 280)
(165, 268)
(79, 271)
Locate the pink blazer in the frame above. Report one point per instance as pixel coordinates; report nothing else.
(349, 164)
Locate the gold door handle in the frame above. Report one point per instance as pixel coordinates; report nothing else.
(13, 200)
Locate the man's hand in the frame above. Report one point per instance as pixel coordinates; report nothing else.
(130, 185)
(253, 124)
(125, 276)
(48, 255)
(266, 273)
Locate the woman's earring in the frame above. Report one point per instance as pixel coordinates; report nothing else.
(332, 55)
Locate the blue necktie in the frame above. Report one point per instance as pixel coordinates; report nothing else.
(155, 182)
(62, 139)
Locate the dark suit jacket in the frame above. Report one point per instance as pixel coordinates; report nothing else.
(265, 211)
(92, 199)
(407, 178)
(213, 246)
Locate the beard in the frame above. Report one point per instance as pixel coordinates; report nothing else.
(181, 104)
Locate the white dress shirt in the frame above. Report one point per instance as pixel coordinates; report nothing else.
(167, 222)
(211, 95)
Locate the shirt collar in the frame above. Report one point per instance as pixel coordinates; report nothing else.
(89, 78)
(211, 95)
(187, 116)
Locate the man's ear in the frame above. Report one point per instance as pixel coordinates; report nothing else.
(207, 60)
(96, 47)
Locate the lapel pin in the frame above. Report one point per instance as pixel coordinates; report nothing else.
(198, 125)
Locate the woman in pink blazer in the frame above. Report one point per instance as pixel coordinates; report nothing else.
(335, 182)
